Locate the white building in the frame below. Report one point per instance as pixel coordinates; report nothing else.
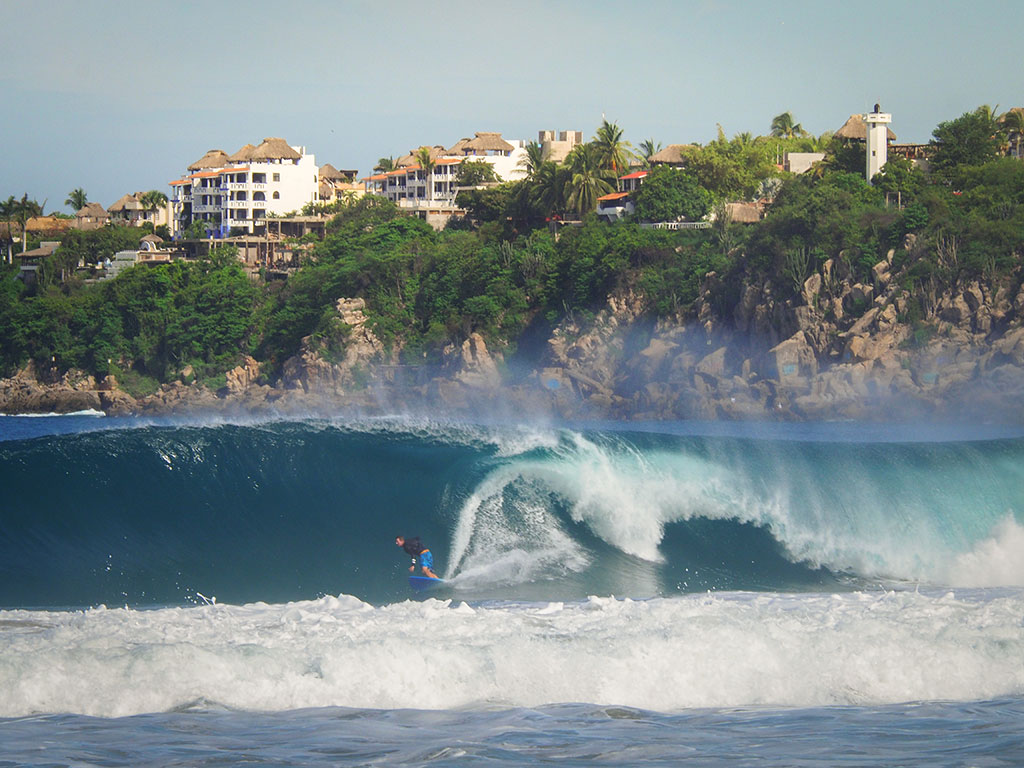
(239, 191)
(432, 193)
(877, 141)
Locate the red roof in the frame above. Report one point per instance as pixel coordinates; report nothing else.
(634, 175)
(378, 177)
(178, 183)
(230, 169)
(612, 196)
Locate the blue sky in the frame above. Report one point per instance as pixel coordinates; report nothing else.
(119, 97)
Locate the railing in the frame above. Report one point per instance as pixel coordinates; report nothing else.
(677, 225)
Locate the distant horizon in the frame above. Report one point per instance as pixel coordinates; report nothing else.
(124, 99)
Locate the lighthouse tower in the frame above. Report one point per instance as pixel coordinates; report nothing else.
(877, 125)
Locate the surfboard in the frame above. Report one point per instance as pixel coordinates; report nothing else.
(420, 583)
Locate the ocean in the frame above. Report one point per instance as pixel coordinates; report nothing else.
(205, 592)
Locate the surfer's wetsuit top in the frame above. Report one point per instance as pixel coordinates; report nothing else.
(415, 549)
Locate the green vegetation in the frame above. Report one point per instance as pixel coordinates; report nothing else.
(515, 264)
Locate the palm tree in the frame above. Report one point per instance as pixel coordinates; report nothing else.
(427, 163)
(588, 179)
(76, 199)
(7, 215)
(784, 127)
(24, 210)
(648, 148)
(532, 160)
(1013, 124)
(385, 164)
(151, 201)
(547, 190)
(612, 152)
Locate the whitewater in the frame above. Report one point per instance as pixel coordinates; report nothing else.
(645, 594)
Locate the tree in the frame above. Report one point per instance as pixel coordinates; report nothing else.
(532, 160)
(783, 126)
(427, 163)
(611, 152)
(76, 199)
(1013, 124)
(668, 194)
(151, 201)
(971, 139)
(548, 187)
(648, 148)
(898, 177)
(7, 216)
(472, 173)
(588, 179)
(24, 210)
(385, 164)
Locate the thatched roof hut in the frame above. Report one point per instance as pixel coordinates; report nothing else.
(214, 158)
(274, 148)
(410, 159)
(47, 225)
(244, 155)
(488, 141)
(329, 173)
(670, 155)
(855, 129)
(126, 203)
(91, 211)
(459, 147)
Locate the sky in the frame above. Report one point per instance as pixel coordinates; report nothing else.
(118, 97)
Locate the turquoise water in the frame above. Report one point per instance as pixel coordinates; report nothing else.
(201, 593)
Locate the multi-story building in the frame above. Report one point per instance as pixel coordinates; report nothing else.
(556, 147)
(237, 192)
(432, 192)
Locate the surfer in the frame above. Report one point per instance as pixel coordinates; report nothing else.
(415, 549)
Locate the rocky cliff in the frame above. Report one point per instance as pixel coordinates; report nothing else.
(832, 349)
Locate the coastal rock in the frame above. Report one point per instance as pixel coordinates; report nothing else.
(242, 377)
(475, 366)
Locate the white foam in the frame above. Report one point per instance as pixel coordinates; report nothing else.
(994, 562)
(86, 412)
(664, 654)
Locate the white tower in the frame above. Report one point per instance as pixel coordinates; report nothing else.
(877, 125)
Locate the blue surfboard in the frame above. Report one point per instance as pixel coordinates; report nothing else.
(419, 583)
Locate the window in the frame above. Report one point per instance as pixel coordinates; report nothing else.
(277, 177)
(258, 196)
(277, 195)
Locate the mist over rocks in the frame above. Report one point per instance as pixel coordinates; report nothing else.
(834, 350)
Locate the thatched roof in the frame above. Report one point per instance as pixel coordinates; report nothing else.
(410, 159)
(47, 224)
(92, 210)
(855, 129)
(458, 148)
(489, 141)
(244, 155)
(274, 148)
(126, 203)
(330, 173)
(214, 158)
(670, 155)
(151, 239)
